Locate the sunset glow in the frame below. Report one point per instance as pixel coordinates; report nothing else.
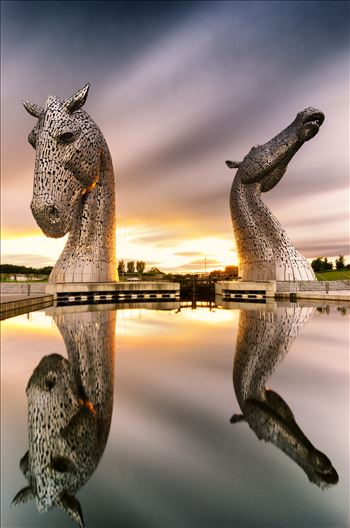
(214, 316)
(34, 322)
(191, 254)
(174, 101)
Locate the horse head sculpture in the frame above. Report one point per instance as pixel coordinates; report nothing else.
(74, 189)
(263, 340)
(70, 403)
(264, 249)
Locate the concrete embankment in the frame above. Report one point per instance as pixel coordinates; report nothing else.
(238, 290)
(26, 297)
(19, 298)
(12, 305)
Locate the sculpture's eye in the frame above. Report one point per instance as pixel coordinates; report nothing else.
(62, 464)
(50, 381)
(67, 137)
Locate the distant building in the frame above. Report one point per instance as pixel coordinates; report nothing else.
(19, 278)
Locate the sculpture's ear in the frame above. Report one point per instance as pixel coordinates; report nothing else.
(71, 506)
(24, 495)
(24, 464)
(78, 99)
(237, 418)
(33, 109)
(233, 164)
(279, 405)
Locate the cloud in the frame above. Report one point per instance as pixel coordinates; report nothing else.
(199, 265)
(176, 91)
(26, 259)
(326, 249)
(319, 220)
(188, 253)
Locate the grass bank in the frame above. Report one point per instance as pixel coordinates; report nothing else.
(333, 275)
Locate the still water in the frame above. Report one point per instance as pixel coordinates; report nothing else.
(161, 416)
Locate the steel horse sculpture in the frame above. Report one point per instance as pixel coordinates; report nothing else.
(70, 404)
(264, 249)
(263, 340)
(74, 189)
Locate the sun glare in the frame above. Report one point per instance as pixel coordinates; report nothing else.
(31, 322)
(35, 250)
(156, 248)
(212, 316)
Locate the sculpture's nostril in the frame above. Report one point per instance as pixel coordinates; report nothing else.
(50, 381)
(53, 213)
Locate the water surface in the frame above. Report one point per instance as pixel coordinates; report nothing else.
(172, 458)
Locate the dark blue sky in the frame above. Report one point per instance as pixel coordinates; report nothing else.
(177, 88)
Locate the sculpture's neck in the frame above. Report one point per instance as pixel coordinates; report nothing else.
(258, 229)
(264, 249)
(254, 361)
(92, 228)
(263, 340)
(90, 342)
(89, 255)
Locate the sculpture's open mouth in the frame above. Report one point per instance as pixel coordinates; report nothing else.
(51, 228)
(55, 230)
(310, 126)
(329, 477)
(322, 467)
(314, 120)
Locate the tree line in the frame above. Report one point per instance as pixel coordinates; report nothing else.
(318, 264)
(133, 266)
(322, 264)
(25, 270)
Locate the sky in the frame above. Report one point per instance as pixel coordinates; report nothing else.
(177, 88)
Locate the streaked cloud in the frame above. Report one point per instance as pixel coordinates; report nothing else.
(177, 88)
(200, 265)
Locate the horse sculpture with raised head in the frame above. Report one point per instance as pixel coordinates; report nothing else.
(263, 340)
(74, 189)
(264, 249)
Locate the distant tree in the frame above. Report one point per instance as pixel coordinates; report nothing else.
(317, 264)
(121, 266)
(228, 272)
(232, 270)
(131, 266)
(140, 266)
(327, 265)
(321, 264)
(340, 263)
(46, 270)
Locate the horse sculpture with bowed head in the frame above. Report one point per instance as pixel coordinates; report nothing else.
(74, 189)
(70, 405)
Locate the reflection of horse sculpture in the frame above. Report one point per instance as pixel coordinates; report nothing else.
(74, 189)
(263, 340)
(70, 406)
(265, 252)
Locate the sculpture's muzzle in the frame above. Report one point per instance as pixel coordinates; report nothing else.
(275, 155)
(48, 217)
(311, 120)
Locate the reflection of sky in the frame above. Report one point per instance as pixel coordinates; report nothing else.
(172, 458)
(177, 88)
